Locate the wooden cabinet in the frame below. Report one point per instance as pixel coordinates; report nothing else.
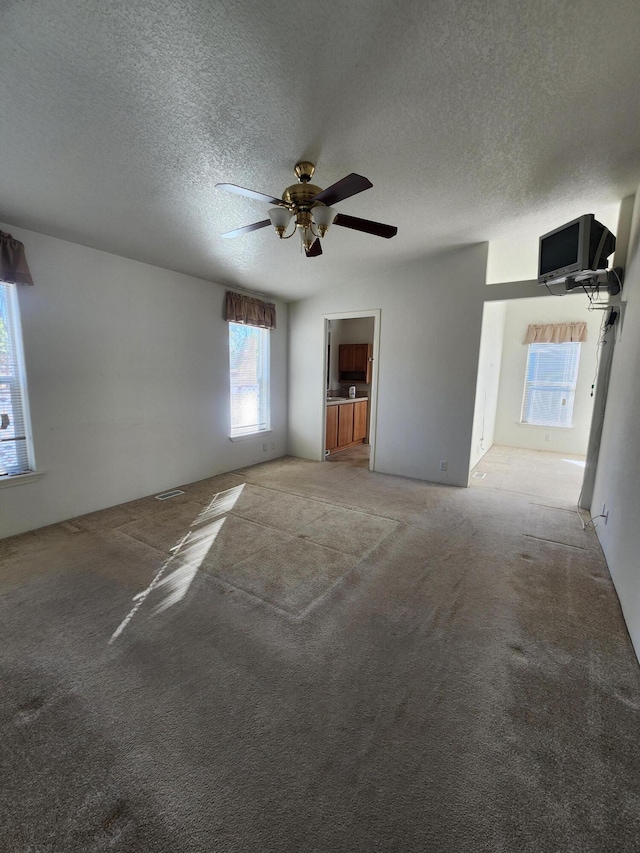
(360, 420)
(332, 428)
(345, 358)
(346, 425)
(354, 362)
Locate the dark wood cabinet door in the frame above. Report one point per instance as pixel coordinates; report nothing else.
(361, 357)
(360, 420)
(345, 358)
(355, 362)
(345, 423)
(331, 439)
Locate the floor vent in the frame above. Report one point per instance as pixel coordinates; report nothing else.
(479, 476)
(166, 495)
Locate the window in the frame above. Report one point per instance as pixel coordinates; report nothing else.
(550, 384)
(14, 417)
(249, 369)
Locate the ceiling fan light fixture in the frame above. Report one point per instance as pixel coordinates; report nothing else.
(323, 218)
(309, 208)
(280, 218)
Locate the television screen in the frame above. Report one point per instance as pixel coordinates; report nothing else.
(560, 249)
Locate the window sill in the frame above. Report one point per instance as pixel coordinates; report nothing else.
(541, 426)
(250, 435)
(20, 479)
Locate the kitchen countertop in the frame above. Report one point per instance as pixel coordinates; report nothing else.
(338, 402)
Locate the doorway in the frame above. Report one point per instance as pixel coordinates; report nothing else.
(350, 384)
(532, 420)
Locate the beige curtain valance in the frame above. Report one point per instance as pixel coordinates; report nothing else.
(556, 333)
(13, 261)
(250, 311)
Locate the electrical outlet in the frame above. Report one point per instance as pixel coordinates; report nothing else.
(265, 446)
(605, 513)
(443, 464)
(547, 437)
(273, 445)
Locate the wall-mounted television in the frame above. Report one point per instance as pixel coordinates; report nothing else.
(582, 246)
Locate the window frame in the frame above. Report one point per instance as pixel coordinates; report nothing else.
(19, 392)
(238, 432)
(567, 387)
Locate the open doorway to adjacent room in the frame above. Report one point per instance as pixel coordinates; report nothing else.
(534, 402)
(350, 388)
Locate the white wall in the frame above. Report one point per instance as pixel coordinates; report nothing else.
(547, 309)
(618, 475)
(429, 339)
(489, 362)
(128, 374)
(357, 330)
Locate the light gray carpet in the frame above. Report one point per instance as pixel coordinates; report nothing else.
(532, 472)
(327, 660)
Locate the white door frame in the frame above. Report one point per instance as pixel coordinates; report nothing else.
(375, 313)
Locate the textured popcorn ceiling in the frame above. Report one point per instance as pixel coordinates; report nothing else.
(474, 119)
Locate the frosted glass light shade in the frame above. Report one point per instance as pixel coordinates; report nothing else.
(308, 238)
(280, 217)
(324, 216)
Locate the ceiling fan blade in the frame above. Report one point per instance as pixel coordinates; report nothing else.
(344, 188)
(378, 229)
(315, 250)
(247, 228)
(232, 188)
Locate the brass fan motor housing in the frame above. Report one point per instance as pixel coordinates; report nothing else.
(300, 195)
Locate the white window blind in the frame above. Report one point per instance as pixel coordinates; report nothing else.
(249, 371)
(14, 445)
(550, 384)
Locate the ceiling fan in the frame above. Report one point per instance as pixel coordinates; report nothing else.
(310, 208)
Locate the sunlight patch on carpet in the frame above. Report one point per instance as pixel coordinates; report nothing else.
(176, 575)
(285, 550)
